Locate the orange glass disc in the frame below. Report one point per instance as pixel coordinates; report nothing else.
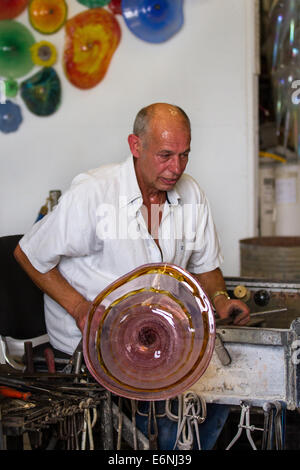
(47, 16)
(10, 9)
(91, 40)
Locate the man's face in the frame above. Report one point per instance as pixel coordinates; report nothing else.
(162, 155)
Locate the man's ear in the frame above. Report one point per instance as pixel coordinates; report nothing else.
(134, 145)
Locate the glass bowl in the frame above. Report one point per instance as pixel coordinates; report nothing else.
(150, 334)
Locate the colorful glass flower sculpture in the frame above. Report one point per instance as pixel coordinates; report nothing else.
(153, 20)
(115, 7)
(43, 53)
(91, 40)
(10, 9)
(15, 43)
(42, 92)
(94, 3)
(47, 16)
(10, 117)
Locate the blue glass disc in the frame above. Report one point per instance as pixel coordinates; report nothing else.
(153, 20)
(10, 117)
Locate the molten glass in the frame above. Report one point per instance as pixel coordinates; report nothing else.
(150, 335)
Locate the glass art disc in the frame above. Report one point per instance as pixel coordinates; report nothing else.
(11, 87)
(93, 3)
(43, 53)
(10, 117)
(47, 16)
(115, 7)
(10, 9)
(91, 40)
(42, 92)
(150, 335)
(153, 20)
(15, 43)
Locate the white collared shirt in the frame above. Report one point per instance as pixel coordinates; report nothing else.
(97, 233)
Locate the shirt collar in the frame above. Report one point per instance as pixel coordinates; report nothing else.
(130, 190)
(173, 197)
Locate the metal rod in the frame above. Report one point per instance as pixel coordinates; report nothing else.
(227, 321)
(265, 312)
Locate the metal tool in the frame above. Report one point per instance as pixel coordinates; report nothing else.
(191, 412)
(125, 429)
(74, 360)
(152, 427)
(273, 435)
(88, 428)
(267, 312)
(221, 351)
(230, 319)
(245, 418)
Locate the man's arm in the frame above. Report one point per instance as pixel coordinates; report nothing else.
(57, 287)
(213, 282)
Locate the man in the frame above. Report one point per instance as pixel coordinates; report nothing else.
(72, 254)
(120, 216)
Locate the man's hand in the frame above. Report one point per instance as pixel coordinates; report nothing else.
(235, 309)
(80, 313)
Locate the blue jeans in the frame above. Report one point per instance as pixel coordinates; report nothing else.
(209, 430)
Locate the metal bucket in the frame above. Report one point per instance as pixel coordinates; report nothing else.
(274, 258)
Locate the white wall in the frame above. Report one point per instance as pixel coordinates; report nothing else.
(207, 68)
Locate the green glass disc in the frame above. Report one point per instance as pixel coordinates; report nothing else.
(15, 43)
(94, 3)
(11, 87)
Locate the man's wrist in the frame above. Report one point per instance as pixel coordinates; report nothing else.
(76, 311)
(80, 313)
(220, 293)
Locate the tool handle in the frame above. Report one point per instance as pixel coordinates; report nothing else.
(12, 393)
(50, 360)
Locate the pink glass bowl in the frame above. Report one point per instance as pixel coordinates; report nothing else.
(150, 334)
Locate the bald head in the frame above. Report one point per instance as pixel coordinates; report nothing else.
(162, 113)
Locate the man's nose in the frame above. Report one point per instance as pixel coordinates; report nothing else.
(175, 164)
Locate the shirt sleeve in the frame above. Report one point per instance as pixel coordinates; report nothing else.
(69, 230)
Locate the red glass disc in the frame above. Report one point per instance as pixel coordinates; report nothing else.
(150, 335)
(115, 6)
(10, 9)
